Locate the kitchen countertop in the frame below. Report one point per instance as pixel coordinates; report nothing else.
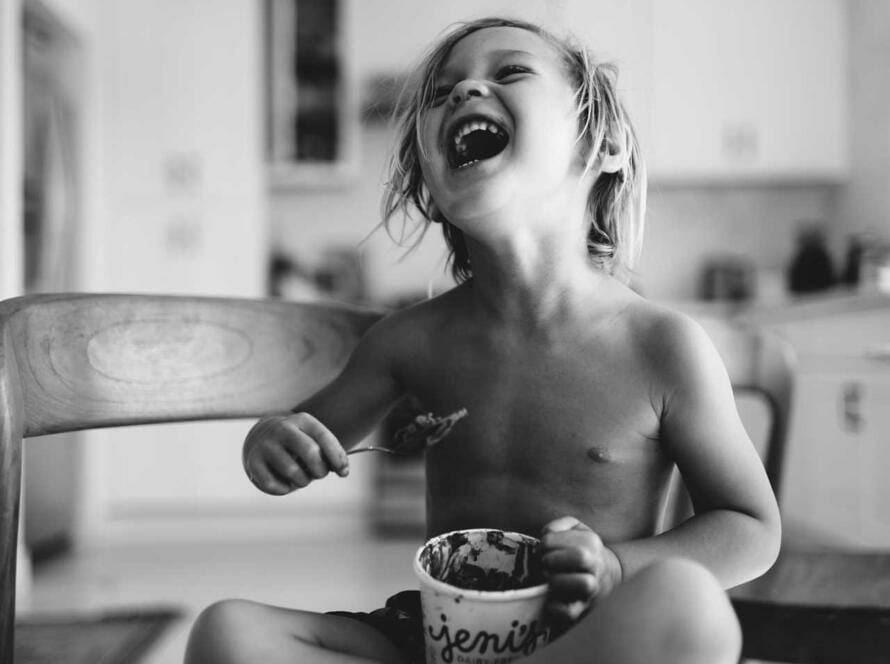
(836, 330)
(831, 304)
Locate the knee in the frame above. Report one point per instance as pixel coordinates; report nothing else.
(218, 630)
(698, 623)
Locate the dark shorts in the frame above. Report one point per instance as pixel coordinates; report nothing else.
(401, 621)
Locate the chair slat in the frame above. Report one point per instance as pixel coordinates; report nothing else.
(110, 360)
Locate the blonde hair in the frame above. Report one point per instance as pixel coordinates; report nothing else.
(617, 200)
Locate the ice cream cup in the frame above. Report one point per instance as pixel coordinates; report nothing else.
(482, 595)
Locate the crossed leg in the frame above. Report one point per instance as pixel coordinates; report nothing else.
(243, 632)
(673, 612)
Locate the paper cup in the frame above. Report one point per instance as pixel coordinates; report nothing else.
(482, 595)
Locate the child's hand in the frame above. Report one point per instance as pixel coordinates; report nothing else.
(286, 452)
(579, 568)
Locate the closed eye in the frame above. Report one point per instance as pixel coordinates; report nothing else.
(511, 70)
(440, 94)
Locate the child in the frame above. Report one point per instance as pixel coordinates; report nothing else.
(581, 395)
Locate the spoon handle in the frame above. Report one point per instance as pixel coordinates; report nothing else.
(370, 448)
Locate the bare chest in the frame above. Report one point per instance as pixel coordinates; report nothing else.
(544, 440)
(550, 429)
(527, 401)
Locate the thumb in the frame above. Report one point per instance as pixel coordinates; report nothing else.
(562, 524)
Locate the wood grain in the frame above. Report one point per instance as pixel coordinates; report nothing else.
(94, 361)
(82, 361)
(10, 485)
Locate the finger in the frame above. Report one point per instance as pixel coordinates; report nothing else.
(570, 560)
(306, 452)
(572, 539)
(573, 587)
(265, 481)
(331, 450)
(563, 612)
(561, 524)
(261, 434)
(287, 469)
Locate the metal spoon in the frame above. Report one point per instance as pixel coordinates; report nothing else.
(423, 432)
(373, 448)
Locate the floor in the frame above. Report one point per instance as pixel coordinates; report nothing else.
(320, 575)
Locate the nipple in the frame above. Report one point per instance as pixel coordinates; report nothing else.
(598, 454)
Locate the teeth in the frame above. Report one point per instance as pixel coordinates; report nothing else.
(459, 154)
(474, 125)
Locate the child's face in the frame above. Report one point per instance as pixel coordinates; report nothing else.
(501, 134)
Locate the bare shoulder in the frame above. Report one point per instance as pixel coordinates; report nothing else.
(414, 328)
(673, 343)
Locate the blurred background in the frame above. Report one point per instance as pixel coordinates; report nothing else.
(237, 147)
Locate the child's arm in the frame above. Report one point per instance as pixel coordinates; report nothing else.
(288, 451)
(736, 530)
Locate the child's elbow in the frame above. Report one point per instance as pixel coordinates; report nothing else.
(769, 539)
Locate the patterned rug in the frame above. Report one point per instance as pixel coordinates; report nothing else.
(113, 637)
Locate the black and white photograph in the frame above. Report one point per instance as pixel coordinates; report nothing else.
(427, 332)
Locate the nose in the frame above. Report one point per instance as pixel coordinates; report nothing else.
(466, 89)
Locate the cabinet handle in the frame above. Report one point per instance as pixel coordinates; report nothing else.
(851, 407)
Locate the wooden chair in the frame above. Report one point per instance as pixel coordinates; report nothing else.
(71, 362)
(816, 605)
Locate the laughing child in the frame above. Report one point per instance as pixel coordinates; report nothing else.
(582, 396)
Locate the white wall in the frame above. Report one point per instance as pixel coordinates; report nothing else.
(866, 202)
(687, 226)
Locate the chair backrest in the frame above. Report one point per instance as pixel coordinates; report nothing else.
(762, 364)
(80, 361)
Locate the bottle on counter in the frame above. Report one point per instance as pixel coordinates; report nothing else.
(812, 268)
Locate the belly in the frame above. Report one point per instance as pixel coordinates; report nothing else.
(618, 503)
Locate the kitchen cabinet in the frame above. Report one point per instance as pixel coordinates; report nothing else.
(876, 511)
(839, 455)
(839, 447)
(748, 90)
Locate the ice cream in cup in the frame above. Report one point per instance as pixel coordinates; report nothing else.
(482, 594)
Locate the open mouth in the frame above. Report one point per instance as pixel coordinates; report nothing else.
(475, 139)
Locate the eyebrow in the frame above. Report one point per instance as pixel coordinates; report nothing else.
(448, 70)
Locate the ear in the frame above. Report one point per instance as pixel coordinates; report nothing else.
(614, 154)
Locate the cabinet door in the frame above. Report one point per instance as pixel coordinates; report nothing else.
(748, 88)
(825, 458)
(876, 431)
(185, 193)
(184, 212)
